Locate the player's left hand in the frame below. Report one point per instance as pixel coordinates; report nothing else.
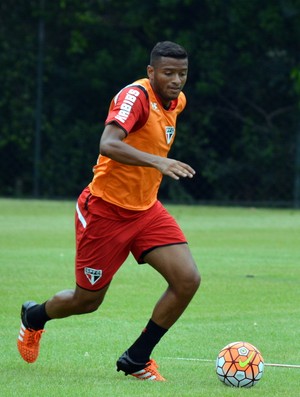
(176, 169)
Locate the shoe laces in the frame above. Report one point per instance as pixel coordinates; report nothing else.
(32, 337)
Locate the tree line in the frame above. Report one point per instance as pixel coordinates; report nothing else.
(62, 62)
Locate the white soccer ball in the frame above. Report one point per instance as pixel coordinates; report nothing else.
(240, 364)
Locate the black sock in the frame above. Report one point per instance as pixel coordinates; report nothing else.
(141, 349)
(37, 317)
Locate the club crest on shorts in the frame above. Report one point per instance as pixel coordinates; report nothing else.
(92, 275)
(169, 133)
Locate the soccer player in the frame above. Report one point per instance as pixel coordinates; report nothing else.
(119, 213)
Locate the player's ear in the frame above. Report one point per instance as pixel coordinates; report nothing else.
(150, 71)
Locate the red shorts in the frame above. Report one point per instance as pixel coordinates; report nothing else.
(106, 234)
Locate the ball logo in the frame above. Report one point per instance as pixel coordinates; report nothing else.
(93, 275)
(243, 364)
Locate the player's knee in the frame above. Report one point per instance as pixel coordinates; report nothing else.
(189, 284)
(88, 301)
(85, 307)
(86, 304)
(195, 280)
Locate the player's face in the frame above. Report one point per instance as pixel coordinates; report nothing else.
(168, 78)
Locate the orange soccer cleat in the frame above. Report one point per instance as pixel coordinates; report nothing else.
(147, 371)
(29, 339)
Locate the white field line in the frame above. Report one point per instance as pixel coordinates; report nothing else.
(206, 360)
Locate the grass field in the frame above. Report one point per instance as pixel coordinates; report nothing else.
(250, 265)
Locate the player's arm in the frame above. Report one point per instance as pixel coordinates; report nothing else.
(113, 146)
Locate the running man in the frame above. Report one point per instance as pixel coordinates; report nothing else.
(119, 213)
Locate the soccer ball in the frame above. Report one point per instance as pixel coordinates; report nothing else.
(240, 364)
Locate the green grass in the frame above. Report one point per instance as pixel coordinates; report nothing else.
(250, 265)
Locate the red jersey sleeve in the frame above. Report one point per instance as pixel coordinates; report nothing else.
(129, 109)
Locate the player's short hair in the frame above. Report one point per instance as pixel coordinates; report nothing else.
(167, 49)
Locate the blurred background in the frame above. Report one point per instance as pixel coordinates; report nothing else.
(62, 61)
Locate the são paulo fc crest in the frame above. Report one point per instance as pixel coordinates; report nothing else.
(169, 133)
(92, 275)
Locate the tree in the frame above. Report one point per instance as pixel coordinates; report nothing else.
(238, 131)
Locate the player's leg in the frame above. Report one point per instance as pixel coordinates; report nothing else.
(70, 302)
(175, 263)
(162, 244)
(65, 303)
(93, 249)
